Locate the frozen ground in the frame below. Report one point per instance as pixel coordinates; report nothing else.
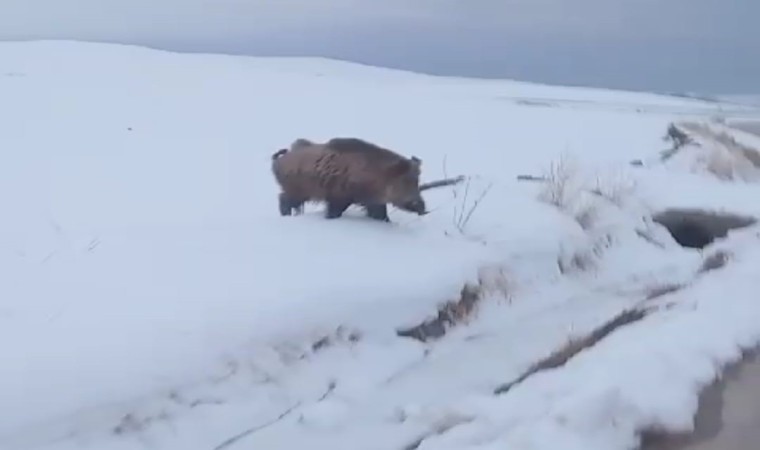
(729, 411)
(153, 297)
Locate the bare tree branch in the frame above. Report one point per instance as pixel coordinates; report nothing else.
(441, 183)
(530, 178)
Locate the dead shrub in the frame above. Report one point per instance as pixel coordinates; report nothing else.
(615, 188)
(587, 215)
(579, 261)
(560, 186)
(463, 211)
(583, 259)
(495, 280)
(676, 136)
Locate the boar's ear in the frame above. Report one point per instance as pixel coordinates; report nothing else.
(405, 166)
(399, 168)
(301, 142)
(414, 165)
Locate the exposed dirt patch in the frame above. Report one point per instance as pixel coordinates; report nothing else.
(678, 139)
(659, 291)
(728, 141)
(695, 228)
(715, 261)
(448, 315)
(442, 426)
(561, 356)
(341, 335)
(715, 150)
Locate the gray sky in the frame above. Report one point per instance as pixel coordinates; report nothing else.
(709, 46)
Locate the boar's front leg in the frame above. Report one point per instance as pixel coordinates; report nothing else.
(377, 212)
(336, 208)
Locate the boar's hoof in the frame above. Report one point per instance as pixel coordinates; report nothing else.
(378, 212)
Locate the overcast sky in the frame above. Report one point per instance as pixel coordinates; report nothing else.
(708, 46)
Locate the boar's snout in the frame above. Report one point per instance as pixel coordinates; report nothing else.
(415, 206)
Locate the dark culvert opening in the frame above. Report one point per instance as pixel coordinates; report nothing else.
(694, 228)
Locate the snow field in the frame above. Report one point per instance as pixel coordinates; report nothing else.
(155, 297)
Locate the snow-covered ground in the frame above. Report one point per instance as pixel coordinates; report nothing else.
(152, 296)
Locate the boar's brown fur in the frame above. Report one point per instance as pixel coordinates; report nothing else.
(346, 171)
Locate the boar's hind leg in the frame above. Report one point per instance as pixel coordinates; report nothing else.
(377, 212)
(336, 208)
(287, 205)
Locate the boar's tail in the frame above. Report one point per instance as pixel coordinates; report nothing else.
(279, 153)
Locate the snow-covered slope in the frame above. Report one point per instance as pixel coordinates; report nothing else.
(152, 295)
(742, 99)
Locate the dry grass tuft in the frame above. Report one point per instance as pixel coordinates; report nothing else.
(560, 183)
(579, 261)
(584, 259)
(495, 280)
(615, 188)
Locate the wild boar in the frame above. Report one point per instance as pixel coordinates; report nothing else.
(346, 171)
